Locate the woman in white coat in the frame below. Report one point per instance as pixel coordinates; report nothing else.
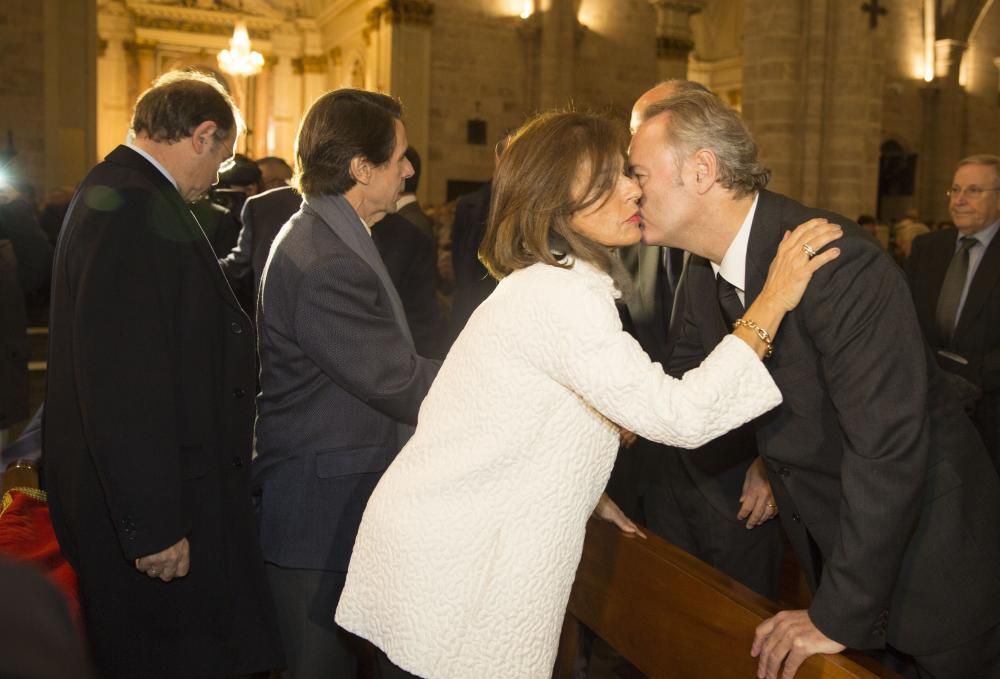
(468, 547)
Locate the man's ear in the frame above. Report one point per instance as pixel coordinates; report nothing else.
(361, 170)
(706, 169)
(203, 135)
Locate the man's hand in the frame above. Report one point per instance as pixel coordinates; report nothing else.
(172, 562)
(757, 500)
(609, 511)
(790, 636)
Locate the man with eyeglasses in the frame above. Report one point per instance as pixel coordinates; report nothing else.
(150, 405)
(955, 280)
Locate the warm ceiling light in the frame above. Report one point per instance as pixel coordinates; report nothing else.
(527, 9)
(239, 59)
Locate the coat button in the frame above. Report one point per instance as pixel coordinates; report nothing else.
(796, 518)
(238, 392)
(236, 328)
(237, 462)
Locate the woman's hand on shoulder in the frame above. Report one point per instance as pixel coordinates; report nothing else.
(799, 256)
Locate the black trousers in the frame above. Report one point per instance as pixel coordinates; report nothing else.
(386, 669)
(315, 646)
(978, 658)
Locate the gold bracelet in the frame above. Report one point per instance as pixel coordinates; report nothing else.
(764, 336)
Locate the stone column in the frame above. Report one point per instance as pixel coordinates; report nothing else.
(260, 144)
(145, 54)
(813, 100)
(944, 114)
(400, 56)
(286, 96)
(114, 27)
(556, 52)
(674, 40)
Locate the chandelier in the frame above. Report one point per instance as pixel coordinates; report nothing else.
(239, 59)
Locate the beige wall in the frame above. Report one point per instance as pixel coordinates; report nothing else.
(47, 92)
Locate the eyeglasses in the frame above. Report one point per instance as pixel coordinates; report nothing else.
(970, 192)
(230, 162)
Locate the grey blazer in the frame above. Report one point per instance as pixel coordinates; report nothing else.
(341, 384)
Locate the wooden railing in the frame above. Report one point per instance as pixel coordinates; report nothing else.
(673, 616)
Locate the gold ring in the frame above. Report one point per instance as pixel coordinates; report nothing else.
(809, 250)
(770, 505)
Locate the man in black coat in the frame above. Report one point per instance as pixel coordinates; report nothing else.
(885, 490)
(149, 407)
(473, 283)
(966, 332)
(405, 240)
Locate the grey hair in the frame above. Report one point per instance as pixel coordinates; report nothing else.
(699, 120)
(987, 159)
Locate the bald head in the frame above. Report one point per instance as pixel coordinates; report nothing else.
(658, 92)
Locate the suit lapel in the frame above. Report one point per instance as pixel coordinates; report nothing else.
(765, 234)
(341, 218)
(125, 156)
(986, 280)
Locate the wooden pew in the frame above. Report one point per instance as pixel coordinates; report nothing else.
(673, 616)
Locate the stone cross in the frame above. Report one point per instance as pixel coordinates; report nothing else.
(874, 11)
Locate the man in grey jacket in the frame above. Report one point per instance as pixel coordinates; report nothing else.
(341, 382)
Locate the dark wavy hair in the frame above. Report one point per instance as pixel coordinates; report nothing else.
(180, 101)
(534, 197)
(339, 126)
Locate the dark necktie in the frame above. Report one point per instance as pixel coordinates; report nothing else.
(729, 301)
(947, 312)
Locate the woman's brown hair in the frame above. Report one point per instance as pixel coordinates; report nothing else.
(535, 193)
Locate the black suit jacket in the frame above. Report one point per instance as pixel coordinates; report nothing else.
(473, 283)
(147, 432)
(977, 335)
(262, 216)
(885, 491)
(410, 256)
(416, 216)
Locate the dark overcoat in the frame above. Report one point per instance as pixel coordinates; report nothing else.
(147, 432)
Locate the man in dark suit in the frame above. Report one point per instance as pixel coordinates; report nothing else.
(405, 241)
(885, 490)
(473, 283)
(703, 501)
(955, 279)
(149, 406)
(263, 216)
(408, 206)
(341, 380)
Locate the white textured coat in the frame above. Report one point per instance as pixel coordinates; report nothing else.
(469, 545)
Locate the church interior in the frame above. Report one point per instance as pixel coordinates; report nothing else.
(860, 107)
(857, 107)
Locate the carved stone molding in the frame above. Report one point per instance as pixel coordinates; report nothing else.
(309, 64)
(188, 26)
(102, 46)
(413, 12)
(336, 56)
(673, 48)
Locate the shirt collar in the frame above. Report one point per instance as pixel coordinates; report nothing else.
(984, 236)
(734, 263)
(155, 164)
(405, 200)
